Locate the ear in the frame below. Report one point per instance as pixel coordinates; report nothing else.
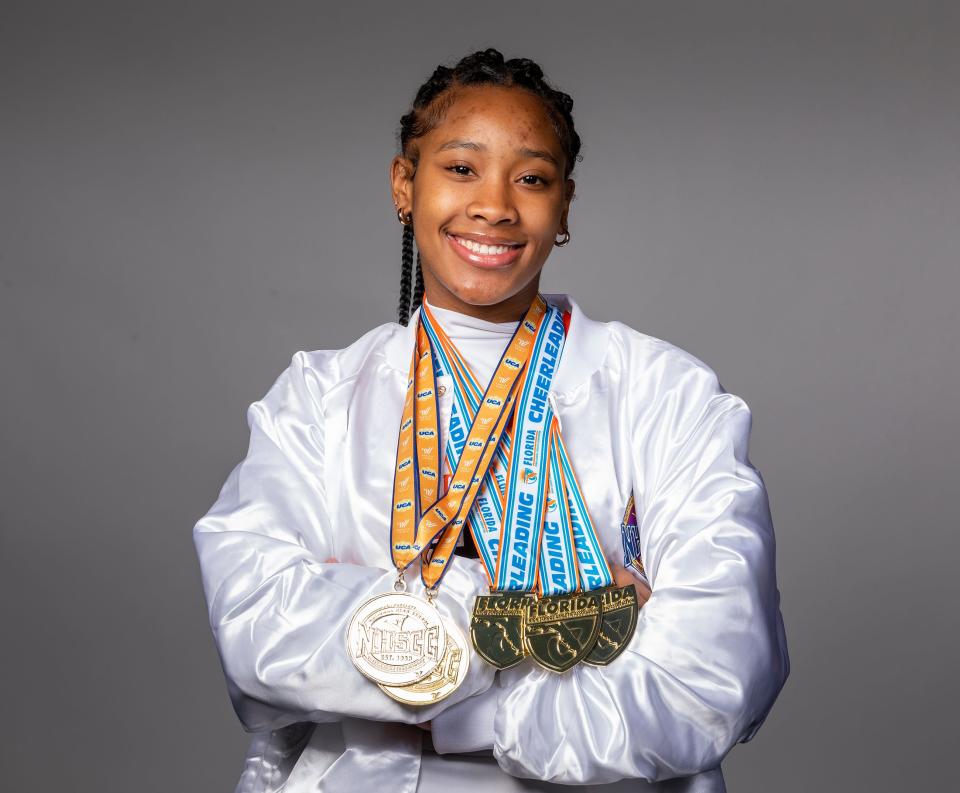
(569, 189)
(401, 182)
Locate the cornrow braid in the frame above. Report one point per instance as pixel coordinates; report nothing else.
(406, 275)
(488, 67)
(433, 99)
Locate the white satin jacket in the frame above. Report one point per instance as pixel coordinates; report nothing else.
(638, 415)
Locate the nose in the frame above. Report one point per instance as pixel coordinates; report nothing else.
(493, 203)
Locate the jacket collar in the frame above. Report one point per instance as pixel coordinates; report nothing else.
(583, 353)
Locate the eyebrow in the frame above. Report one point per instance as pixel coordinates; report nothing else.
(540, 154)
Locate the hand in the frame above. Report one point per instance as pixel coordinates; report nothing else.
(622, 577)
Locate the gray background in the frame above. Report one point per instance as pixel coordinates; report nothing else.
(192, 192)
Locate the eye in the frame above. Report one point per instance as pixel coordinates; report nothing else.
(535, 180)
(460, 170)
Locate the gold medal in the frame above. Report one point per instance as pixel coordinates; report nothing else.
(561, 630)
(443, 680)
(396, 639)
(617, 626)
(496, 627)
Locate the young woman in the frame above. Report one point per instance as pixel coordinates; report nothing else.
(388, 489)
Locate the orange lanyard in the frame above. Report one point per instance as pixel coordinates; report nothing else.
(417, 474)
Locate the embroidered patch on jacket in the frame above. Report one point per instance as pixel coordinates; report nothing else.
(630, 535)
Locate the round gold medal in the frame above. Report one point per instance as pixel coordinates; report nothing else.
(396, 639)
(444, 680)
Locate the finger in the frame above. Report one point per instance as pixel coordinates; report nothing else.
(643, 591)
(622, 576)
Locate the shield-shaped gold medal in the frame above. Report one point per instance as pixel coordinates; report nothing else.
(619, 621)
(496, 628)
(561, 630)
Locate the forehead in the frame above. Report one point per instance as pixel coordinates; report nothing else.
(492, 113)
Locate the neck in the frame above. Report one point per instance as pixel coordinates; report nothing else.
(512, 309)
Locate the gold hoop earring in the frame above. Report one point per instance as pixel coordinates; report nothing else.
(409, 218)
(564, 240)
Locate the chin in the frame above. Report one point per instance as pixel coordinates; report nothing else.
(486, 295)
(488, 289)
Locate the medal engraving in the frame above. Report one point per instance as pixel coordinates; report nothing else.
(443, 680)
(561, 630)
(396, 639)
(496, 628)
(617, 626)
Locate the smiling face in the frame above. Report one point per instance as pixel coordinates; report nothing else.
(488, 198)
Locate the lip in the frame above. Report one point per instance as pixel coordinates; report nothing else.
(485, 260)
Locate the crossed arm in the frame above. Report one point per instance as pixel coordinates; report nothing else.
(705, 664)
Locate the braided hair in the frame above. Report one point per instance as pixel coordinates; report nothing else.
(433, 99)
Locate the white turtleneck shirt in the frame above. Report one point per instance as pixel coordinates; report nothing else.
(480, 342)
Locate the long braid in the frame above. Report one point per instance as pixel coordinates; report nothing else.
(418, 288)
(406, 275)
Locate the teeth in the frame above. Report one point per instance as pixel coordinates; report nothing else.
(483, 250)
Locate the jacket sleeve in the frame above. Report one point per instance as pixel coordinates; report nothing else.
(278, 612)
(709, 654)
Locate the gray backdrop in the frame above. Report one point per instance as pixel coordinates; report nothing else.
(191, 192)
